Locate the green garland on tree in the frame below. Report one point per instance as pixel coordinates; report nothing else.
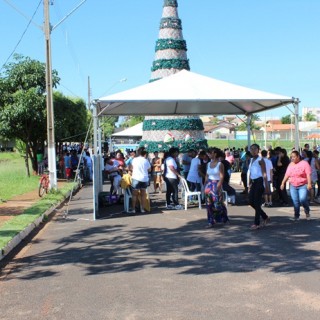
(171, 23)
(184, 146)
(155, 79)
(171, 57)
(163, 44)
(170, 3)
(173, 124)
(170, 64)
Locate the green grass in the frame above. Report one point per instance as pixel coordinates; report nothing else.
(13, 176)
(14, 181)
(20, 222)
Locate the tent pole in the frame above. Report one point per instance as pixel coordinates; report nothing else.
(96, 163)
(248, 130)
(265, 131)
(296, 123)
(100, 158)
(95, 129)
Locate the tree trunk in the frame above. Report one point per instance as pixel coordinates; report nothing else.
(26, 160)
(33, 157)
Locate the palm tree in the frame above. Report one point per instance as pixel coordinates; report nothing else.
(309, 116)
(243, 125)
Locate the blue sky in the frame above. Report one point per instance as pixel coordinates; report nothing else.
(266, 45)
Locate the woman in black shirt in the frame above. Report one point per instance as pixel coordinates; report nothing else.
(280, 170)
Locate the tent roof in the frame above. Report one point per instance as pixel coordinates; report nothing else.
(188, 93)
(134, 131)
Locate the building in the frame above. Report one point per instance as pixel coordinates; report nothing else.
(126, 139)
(277, 130)
(221, 130)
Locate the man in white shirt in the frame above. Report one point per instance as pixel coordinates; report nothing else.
(171, 177)
(140, 178)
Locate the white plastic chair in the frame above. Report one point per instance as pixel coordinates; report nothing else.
(188, 193)
(126, 200)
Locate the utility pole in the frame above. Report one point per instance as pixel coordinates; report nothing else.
(50, 114)
(89, 94)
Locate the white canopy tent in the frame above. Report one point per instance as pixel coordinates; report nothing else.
(188, 93)
(134, 131)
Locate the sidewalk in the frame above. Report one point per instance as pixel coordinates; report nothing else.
(165, 265)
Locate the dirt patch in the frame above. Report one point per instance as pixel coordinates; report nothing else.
(18, 204)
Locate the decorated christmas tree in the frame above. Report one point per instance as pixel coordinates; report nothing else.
(184, 132)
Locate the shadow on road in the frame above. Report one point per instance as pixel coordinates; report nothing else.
(282, 247)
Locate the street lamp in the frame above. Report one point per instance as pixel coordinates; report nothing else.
(47, 28)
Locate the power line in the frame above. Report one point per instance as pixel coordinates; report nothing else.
(75, 95)
(20, 12)
(24, 32)
(69, 44)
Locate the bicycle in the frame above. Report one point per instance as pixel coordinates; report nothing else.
(79, 176)
(44, 184)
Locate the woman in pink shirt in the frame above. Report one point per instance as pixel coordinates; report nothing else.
(229, 157)
(299, 175)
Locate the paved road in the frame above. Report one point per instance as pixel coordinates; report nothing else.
(165, 265)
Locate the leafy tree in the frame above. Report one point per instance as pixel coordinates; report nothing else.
(309, 116)
(132, 121)
(286, 119)
(23, 103)
(289, 119)
(108, 124)
(71, 118)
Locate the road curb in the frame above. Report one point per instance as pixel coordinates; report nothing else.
(16, 240)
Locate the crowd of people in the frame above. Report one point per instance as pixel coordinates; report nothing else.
(264, 176)
(70, 157)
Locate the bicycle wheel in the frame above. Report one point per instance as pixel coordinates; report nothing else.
(79, 180)
(42, 186)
